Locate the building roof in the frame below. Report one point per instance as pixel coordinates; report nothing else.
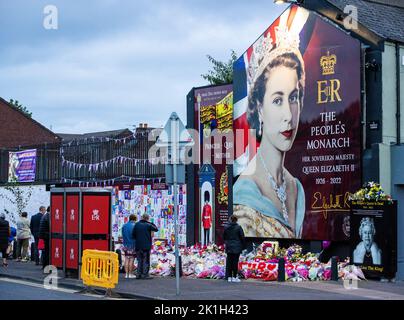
(384, 18)
(103, 134)
(43, 135)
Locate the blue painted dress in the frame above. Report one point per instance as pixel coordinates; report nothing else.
(259, 217)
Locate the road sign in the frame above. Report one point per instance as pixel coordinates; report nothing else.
(174, 132)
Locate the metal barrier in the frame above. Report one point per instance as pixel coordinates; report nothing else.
(100, 269)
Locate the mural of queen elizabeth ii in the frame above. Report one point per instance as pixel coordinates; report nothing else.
(268, 200)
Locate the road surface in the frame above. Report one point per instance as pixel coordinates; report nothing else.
(11, 289)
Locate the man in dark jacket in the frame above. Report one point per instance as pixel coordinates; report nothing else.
(34, 226)
(234, 244)
(44, 234)
(142, 234)
(4, 234)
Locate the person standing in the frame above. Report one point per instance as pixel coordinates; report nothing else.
(142, 234)
(44, 235)
(129, 245)
(206, 219)
(4, 234)
(234, 243)
(23, 236)
(12, 243)
(34, 226)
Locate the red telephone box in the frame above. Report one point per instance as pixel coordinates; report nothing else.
(80, 219)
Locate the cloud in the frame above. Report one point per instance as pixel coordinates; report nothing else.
(138, 70)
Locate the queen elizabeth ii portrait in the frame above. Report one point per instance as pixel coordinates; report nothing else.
(268, 201)
(367, 251)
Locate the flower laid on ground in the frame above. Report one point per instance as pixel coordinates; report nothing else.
(351, 272)
(208, 262)
(371, 191)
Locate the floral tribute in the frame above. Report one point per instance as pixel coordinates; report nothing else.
(261, 263)
(371, 191)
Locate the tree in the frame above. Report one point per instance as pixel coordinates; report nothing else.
(19, 196)
(20, 107)
(222, 72)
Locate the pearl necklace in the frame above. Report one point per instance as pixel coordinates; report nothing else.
(280, 191)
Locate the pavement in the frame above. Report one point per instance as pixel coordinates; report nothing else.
(164, 288)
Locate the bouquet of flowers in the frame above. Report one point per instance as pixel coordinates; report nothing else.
(294, 253)
(351, 272)
(260, 263)
(371, 191)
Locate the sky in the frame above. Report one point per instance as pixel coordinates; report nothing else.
(113, 64)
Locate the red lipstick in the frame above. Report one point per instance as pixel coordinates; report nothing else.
(287, 133)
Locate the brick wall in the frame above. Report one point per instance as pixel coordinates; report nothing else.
(19, 130)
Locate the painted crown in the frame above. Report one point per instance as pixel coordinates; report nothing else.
(264, 51)
(328, 63)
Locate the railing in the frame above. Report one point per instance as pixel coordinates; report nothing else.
(50, 167)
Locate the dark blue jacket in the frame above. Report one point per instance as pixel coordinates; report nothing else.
(44, 227)
(127, 233)
(142, 234)
(35, 223)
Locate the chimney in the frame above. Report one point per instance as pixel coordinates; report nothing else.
(140, 125)
(145, 125)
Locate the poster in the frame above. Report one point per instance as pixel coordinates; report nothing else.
(213, 110)
(22, 166)
(297, 130)
(157, 200)
(373, 231)
(207, 214)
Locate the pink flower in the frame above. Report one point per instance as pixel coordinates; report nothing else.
(290, 273)
(304, 273)
(248, 274)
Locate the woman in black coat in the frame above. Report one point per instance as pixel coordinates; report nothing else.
(4, 234)
(44, 231)
(234, 244)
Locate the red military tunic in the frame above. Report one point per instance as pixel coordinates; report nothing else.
(207, 216)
